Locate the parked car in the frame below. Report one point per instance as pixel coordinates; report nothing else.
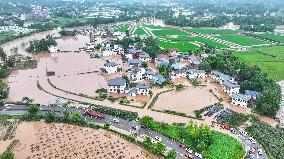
(189, 150)
(198, 155)
(187, 155)
(260, 152)
(158, 138)
(182, 146)
(252, 140)
(227, 127)
(154, 141)
(115, 120)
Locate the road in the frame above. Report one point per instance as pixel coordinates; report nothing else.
(128, 126)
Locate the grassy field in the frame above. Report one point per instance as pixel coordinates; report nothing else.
(182, 46)
(272, 66)
(214, 31)
(272, 37)
(5, 36)
(241, 40)
(122, 28)
(139, 31)
(168, 32)
(199, 39)
(63, 22)
(277, 51)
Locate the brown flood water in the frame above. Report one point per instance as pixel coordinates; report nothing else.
(40, 140)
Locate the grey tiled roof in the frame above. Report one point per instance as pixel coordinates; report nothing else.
(241, 96)
(142, 86)
(119, 81)
(110, 64)
(230, 84)
(134, 61)
(252, 93)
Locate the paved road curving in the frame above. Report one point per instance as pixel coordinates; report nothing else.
(124, 125)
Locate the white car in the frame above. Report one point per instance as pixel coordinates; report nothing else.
(154, 141)
(158, 138)
(189, 150)
(198, 155)
(143, 136)
(115, 120)
(252, 140)
(260, 152)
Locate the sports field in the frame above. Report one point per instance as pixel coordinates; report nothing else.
(182, 46)
(272, 37)
(272, 66)
(241, 40)
(199, 39)
(214, 31)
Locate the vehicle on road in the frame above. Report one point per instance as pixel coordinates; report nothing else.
(182, 146)
(158, 138)
(260, 152)
(187, 155)
(115, 120)
(198, 155)
(154, 141)
(227, 127)
(93, 114)
(252, 140)
(189, 150)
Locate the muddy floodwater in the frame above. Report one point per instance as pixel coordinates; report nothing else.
(38, 140)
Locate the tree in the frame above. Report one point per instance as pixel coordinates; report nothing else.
(4, 90)
(50, 117)
(3, 55)
(160, 147)
(106, 125)
(33, 109)
(76, 117)
(171, 154)
(7, 155)
(66, 115)
(144, 64)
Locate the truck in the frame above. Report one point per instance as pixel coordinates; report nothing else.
(93, 114)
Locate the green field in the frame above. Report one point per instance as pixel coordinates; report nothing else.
(241, 40)
(182, 46)
(272, 66)
(5, 36)
(168, 32)
(139, 31)
(214, 31)
(199, 39)
(272, 37)
(276, 51)
(65, 22)
(122, 28)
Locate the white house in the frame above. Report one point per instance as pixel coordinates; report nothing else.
(220, 77)
(137, 74)
(106, 53)
(144, 57)
(116, 85)
(240, 100)
(162, 60)
(149, 74)
(52, 49)
(142, 89)
(178, 74)
(252, 94)
(230, 87)
(194, 73)
(174, 52)
(133, 63)
(110, 67)
(118, 49)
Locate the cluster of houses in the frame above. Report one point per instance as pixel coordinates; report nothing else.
(232, 88)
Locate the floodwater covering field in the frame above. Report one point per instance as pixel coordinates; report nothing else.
(42, 140)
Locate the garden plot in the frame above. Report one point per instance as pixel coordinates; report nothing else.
(242, 40)
(272, 37)
(186, 101)
(162, 31)
(182, 46)
(42, 140)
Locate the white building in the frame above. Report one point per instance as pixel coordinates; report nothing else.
(144, 57)
(106, 53)
(220, 77)
(137, 74)
(116, 85)
(142, 89)
(194, 73)
(240, 100)
(178, 74)
(110, 67)
(230, 87)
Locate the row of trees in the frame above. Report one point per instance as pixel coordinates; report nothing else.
(37, 46)
(249, 78)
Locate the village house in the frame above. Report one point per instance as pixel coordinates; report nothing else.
(158, 79)
(108, 52)
(133, 63)
(162, 60)
(220, 77)
(118, 49)
(149, 74)
(144, 57)
(230, 87)
(116, 85)
(178, 74)
(137, 74)
(195, 73)
(142, 89)
(110, 67)
(240, 100)
(174, 52)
